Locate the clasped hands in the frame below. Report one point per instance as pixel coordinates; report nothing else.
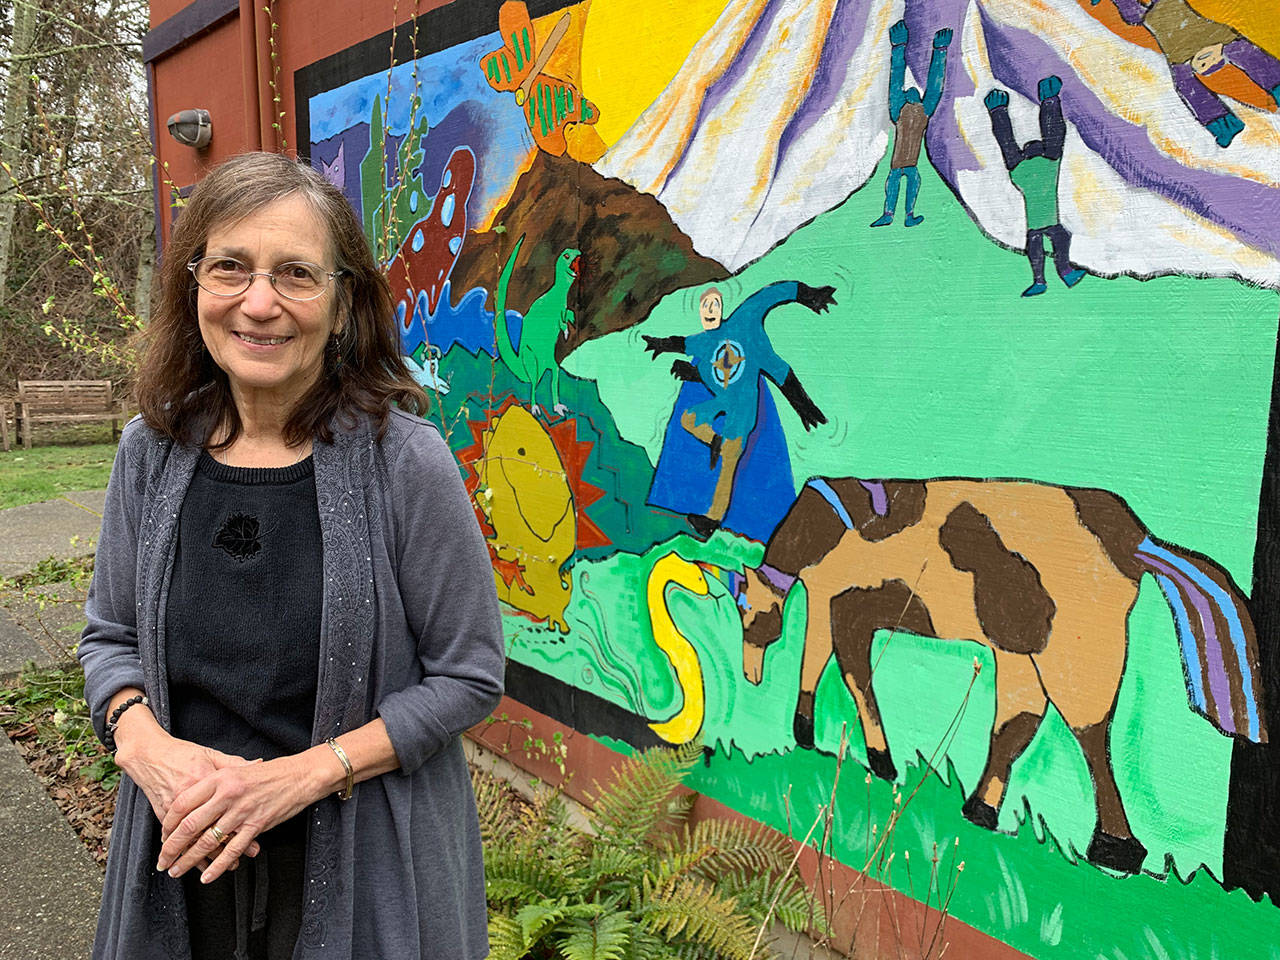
(193, 789)
(227, 809)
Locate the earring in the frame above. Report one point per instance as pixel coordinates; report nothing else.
(333, 353)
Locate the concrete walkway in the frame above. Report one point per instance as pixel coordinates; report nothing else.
(50, 883)
(64, 528)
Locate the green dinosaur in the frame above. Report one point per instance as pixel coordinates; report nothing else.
(546, 320)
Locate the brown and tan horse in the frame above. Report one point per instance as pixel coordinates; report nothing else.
(1044, 576)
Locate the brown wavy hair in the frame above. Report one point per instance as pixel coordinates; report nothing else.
(184, 395)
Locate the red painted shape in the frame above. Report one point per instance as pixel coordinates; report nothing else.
(573, 454)
(510, 571)
(469, 458)
(427, 267)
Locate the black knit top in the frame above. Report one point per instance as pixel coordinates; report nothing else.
(243, 615)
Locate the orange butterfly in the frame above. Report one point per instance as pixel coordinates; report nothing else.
(549, 103)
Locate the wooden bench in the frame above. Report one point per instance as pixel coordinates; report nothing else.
(65, 401)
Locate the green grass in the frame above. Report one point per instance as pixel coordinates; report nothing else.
(81, 460)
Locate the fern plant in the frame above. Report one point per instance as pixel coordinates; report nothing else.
(641, 884)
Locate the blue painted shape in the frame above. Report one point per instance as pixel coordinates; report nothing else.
(763, 490)
(447, 208)
(468, 323)
(515, 328)
(454, 69)
(414, 335)
(1186, 638)
(1228, 608)
(829, 495)
(455, 245)
(418, 240)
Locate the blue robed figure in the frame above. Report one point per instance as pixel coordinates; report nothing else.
(724, 458)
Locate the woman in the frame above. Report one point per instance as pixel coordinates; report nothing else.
(290, 573)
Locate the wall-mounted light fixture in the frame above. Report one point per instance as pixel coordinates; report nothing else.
(194, 128)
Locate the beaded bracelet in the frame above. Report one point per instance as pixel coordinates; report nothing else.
(109, 734)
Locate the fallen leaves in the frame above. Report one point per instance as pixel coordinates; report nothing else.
(88, 806)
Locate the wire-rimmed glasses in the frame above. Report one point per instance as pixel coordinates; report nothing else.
(296, 280)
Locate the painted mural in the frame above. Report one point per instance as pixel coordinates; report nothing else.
(897, 370)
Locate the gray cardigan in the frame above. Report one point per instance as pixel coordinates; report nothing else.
(410, 632)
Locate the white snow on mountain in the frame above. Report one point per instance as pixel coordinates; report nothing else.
(781, 111)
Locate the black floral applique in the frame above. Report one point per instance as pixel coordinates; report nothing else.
(239, 536)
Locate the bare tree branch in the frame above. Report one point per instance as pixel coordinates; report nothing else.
(63, 51)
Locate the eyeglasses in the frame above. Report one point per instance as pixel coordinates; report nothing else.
(228, 277)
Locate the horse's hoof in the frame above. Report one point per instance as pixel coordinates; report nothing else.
(881, 764)
(802, 730)
(981, 813)
(1124, 854)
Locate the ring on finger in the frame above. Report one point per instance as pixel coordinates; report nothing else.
(218, 835)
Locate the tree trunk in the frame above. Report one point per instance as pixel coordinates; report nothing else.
(142, 283)
(14, 123)
(1251, 849)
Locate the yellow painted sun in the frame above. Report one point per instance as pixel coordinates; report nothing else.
(632, 48)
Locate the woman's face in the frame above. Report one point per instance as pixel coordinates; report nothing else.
(271, 348)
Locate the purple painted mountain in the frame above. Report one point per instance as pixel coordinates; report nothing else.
(781, 111)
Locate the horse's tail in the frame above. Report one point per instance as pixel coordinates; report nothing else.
(1216, 637)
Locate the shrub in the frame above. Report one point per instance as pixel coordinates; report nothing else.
(641, 882)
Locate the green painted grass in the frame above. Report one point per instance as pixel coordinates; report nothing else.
(1023, 889)
(1027, 884)
(932, 365)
